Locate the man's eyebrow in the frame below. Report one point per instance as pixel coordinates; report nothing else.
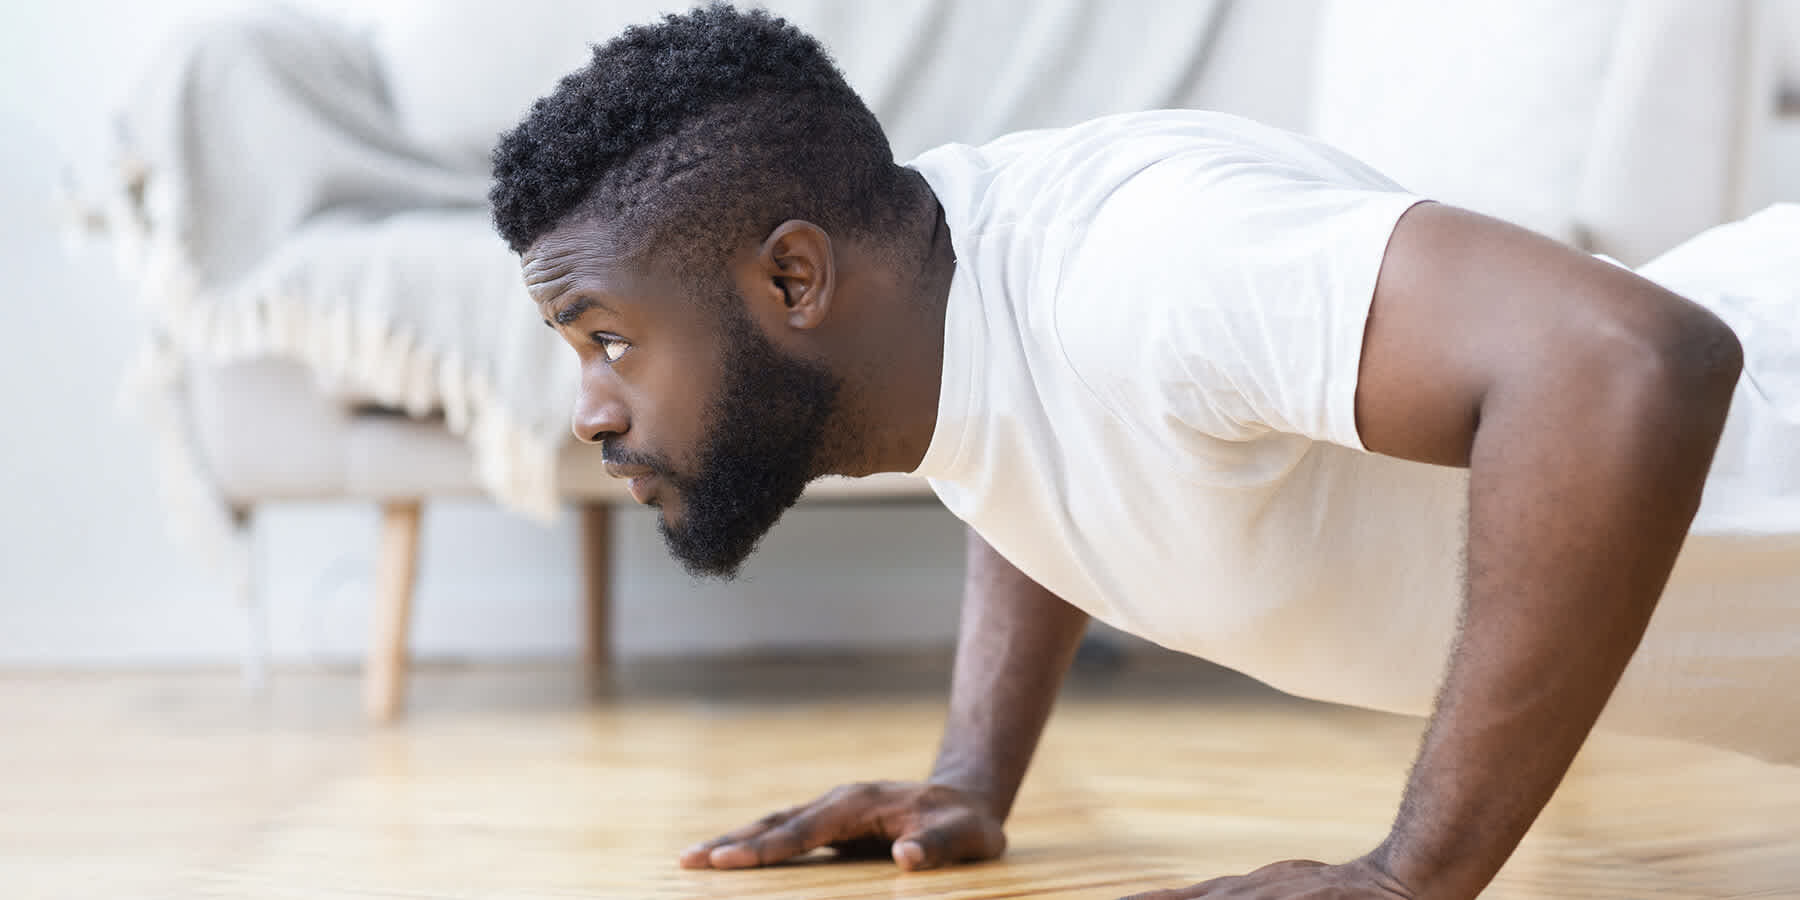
(568, 314)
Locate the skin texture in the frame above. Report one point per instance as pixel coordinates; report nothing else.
(1585, 401)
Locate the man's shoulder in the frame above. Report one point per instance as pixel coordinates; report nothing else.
(1063, 175)
(1192, 124)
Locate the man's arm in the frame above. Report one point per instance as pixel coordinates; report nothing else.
(1586, 403)
(1013, 649)
(1016, 643)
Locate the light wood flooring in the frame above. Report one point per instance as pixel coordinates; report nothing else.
(522, 783)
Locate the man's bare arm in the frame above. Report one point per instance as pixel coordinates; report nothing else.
(1015, 646)
(1586, 403)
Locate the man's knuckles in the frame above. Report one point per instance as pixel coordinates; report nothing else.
(940, 824)
(860, 795)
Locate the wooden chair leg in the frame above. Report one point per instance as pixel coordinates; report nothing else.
(254, 604)
(596, 577)
(396, 565)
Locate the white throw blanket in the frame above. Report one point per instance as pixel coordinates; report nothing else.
(269, 205)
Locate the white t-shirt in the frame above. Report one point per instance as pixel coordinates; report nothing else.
(1150, 361)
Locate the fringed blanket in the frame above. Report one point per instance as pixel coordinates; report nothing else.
(267, 203)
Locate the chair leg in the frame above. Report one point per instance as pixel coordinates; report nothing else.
(396, 565)
(256, 613)
(596, 577)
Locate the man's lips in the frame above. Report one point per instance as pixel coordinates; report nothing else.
(642, 488)
(642, 481)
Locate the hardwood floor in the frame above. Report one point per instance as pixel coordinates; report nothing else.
(519, 783)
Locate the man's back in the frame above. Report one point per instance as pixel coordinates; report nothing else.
(1148, 406)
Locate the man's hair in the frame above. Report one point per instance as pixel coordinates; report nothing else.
(695, 135)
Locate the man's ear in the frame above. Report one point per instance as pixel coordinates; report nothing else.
(797, 264)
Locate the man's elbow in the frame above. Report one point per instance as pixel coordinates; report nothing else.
(1695, 359)
(1677, 378)
(1709, 356)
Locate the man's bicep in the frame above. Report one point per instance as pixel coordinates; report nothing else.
(1465, 303)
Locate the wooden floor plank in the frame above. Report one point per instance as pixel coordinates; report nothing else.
(516, 783)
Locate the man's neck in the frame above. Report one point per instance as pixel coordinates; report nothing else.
(897, 398)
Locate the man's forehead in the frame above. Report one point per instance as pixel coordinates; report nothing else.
(567, 256)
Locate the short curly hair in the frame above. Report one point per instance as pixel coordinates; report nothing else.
(694, 135)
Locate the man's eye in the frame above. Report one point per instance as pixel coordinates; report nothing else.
(611, 346)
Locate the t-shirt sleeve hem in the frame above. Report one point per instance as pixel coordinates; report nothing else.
(1386, 216)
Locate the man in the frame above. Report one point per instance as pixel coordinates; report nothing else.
(1216, 384)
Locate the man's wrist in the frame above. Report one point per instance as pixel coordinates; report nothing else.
(1432, 874)
(982, 787)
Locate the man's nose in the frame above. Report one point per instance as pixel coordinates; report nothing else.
(598, 416)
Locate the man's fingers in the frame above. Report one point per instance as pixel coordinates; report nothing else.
(1186, 893)
(699, 855)
(806, 831)
(960, 838)
(910, 854)
(936, 827)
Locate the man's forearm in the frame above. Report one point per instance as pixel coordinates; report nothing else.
(1581, 492)
(1015, 645)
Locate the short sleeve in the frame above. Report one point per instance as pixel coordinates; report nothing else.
(1225, 294)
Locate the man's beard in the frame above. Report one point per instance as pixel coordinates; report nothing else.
(765, 440)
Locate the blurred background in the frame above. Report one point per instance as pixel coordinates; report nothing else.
(275, 405)
(1617, 124)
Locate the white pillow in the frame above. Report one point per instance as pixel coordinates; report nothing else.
(1486, 104)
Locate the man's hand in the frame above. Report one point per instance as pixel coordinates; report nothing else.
(1016, 644)
(1359, 880)
(922, 825)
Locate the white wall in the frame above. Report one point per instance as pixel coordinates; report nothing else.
(83, 570)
